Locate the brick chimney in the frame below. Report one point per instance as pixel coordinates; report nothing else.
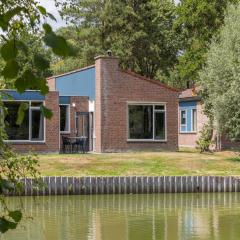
(106, 68)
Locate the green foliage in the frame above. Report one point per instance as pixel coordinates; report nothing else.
(220, 78)
(24, 63)
(205, 139)
(199, 20)
(140, 33)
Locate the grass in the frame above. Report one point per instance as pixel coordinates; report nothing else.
(184, 162)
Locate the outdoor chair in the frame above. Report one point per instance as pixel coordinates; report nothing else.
(66, 145)
(79, 145)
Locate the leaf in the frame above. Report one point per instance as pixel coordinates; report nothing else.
(46, 112)
(11, 69)
(52, 17)
(43, 87)
(5, 225)
(16, 215)
(58, 44)
(27, 81)
(40, 62)
(21, 113)
(9, 50)
(47, 28)
(42, 10)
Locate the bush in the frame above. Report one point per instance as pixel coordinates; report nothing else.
(205, 139)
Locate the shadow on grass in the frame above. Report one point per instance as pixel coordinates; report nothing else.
(234, 159)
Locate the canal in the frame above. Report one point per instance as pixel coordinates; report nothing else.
(129, 217)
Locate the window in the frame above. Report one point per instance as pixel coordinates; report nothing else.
(194, 120)
(146, 122)
(32, 126)
(65, 118)
(188, 120)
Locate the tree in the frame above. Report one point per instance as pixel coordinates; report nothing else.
(25, 69)
(140, 33)
(220, 77)
(199, 20)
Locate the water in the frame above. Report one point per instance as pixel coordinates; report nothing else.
(129, 217)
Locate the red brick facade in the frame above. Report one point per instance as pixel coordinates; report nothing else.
(51, 143)
(81, 105)
(114, 89)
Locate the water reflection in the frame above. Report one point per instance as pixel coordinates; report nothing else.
(130, 217)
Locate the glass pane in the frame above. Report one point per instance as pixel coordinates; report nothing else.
(64, 118)
(159, 107)
(14, 131)
(183, 117)
(140, 122)
(37, 126)
(194, 120)
(159, 125)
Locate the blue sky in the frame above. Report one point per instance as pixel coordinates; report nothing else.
(50, 6)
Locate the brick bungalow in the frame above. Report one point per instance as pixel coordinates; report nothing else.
(115, 110)
(192, 119)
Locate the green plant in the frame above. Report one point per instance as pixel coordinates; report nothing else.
(205, 139)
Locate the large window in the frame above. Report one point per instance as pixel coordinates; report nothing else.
(146, 122)
(32, 126)
(65, 118)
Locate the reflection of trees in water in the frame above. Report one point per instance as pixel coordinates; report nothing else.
(119, 217)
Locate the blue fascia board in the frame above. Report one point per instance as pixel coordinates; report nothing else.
(27, 95)
(187, 104)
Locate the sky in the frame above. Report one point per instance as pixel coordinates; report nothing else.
(51, 8)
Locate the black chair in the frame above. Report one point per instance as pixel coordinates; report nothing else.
(66, 145)
(79, 145)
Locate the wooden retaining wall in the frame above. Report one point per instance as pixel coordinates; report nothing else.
(127, 185)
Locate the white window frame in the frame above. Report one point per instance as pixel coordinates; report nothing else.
(186, 125)
(69, 118)
(30, 122)
(153, 104)
(183, 125)
(193, 131)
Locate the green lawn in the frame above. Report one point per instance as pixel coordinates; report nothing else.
(184, 162)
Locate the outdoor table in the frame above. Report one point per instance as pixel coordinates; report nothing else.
(79, 138)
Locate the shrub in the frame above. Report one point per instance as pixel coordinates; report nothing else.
(205, 139)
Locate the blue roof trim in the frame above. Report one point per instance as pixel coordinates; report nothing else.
(64, 100)
(188, 104)
(27, 95)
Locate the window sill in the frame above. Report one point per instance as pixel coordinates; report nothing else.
(25, 142)
(146, 140)
(65, 132)
(188, 132)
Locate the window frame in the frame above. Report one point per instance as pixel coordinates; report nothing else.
(30, 122)
(153, 104)
(193, 131)
(183, 125)
(69, 122)
(191, 120)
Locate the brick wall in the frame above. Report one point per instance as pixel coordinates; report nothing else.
(51, 82)
(114, 88)
(81, 105)
(51, 143)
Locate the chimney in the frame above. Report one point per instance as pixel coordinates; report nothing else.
(106, 78)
